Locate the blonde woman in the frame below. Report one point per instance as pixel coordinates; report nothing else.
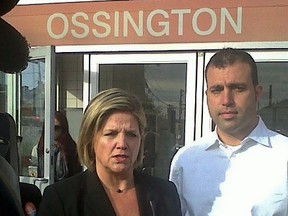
(110, 145)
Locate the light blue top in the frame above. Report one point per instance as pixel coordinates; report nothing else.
(247, 181)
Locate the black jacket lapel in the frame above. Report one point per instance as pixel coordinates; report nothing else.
(95, 200)
(147, 197)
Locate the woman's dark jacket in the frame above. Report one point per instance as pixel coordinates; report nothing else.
(84, 195)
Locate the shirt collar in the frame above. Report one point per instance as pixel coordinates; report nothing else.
(213, 140)
(260, 135)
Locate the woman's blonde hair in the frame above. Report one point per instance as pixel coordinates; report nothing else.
(103, 105)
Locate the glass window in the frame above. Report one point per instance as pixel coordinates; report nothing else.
(7, 93)
(32, 99)
(3, 92)
(162, 89)
(273, 106)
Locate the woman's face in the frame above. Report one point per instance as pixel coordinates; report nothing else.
(58, 129)
(117, 143)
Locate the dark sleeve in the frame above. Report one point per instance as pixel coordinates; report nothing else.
(164, 197)
(169, 202)
(51, 204)
(175, 205)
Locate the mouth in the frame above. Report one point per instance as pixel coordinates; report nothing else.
(120, 157)
(228, 115)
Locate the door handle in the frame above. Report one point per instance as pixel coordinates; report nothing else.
(41, 180)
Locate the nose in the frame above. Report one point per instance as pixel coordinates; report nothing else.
(227, 98)
(121, 141)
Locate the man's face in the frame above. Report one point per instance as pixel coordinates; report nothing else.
(232, 99)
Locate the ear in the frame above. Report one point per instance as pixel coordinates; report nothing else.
(258, 92)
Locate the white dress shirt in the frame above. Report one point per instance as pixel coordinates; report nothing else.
(249, 180)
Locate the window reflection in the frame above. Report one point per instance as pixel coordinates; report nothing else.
(7, 90)
(32, 84)
(161, 88)
(3, 92)
(273, 106)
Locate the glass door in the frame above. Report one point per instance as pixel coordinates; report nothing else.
(8, 93)
(36, 102)
(273, 76)
(161, 82)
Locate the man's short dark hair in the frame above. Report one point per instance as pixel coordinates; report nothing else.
(229, 56)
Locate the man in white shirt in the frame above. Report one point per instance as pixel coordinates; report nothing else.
(240, 169)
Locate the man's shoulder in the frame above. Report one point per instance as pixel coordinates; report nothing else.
(279, 141)
(279, 136)
(200, 144)
(276, 137)
(273, 137)
(194, 150)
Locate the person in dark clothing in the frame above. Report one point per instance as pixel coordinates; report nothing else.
(111, 146)
(65, 151)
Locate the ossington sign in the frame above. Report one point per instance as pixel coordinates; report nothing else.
(151, 22)
(155, 23)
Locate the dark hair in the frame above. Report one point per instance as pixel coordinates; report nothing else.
(229, 56)
(65, 136)
(64, 125)
(66, 145)
(63, 139)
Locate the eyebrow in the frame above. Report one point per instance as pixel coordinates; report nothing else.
(230, 86)
(234, 84)
(116, 129)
